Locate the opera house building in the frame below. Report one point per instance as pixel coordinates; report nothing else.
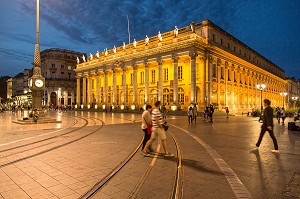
(199, 63)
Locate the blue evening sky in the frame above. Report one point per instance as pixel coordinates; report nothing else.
(271, 27)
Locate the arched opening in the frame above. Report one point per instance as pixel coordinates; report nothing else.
(141, 97)
(180, 96)
(130, 97)
(53, 98)
(153, 96)
(166, 96)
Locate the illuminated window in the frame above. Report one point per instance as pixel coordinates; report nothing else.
(131, 78)
(214, 70)
(142, 77)
(153, 76)
(166, 74)
(222, 72)
(180, 95)
(180, 72)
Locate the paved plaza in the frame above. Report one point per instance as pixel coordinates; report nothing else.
(85, 151)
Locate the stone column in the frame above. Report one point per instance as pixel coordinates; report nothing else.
(219, 85)
(232, 90)
(90, 93)
(72, 97)
(134, 85)
(160, 80)
(97, 88)
(84, 91)
(146, 83)
(175, 80)
(226, 82)
(124, 86)
(203, 82)
(238, 79)
(248, 85)
(193, 56)
(209, 79)
(114, 86)
(78, 94)
(105, 88)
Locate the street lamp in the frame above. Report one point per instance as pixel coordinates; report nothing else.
(261, 87)
(283, 94)
(295, 99)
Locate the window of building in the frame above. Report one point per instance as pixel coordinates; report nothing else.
(241, 78)
(214, 37)
(180, 95)
(62, 66)
(142, 77)
(69, 76)
(131, 78)
(180, 72)
(221, 42)
(228, 45)
(69, 67)
(234, 48)
(240, 52)
(234, 76)
(245, 54)
(222, 72)
(53, 65)
(229, 75)
(166, 74)
(153, 76)
(214, 70)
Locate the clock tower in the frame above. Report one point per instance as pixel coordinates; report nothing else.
(36, 83)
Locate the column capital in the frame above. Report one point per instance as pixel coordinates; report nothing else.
(193, 55)
(146, 64)
(134, 67)
(159, 61)
(175, 58)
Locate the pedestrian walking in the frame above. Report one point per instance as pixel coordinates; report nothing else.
(147, 125)
(206, 114)
(268, 125)
(227, 111)
(278, 114)
(211, 112)
(35, 115)
(283, 115)
(195, 113)
(157, 131)
(190, 115)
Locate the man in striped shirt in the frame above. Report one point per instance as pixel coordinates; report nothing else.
(157, 131)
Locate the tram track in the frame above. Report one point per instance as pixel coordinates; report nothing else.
(60, 145)
(176, 191)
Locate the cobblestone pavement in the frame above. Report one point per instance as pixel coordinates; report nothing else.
(74, 167)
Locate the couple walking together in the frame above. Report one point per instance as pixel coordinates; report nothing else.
(152, 126)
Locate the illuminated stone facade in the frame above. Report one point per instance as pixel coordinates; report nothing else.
(201, 63)
(57, 66)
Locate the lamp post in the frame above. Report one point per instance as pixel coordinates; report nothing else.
(283, 94)
(261, 87)
(295, 99)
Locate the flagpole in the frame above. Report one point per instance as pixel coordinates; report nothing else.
(128, 30)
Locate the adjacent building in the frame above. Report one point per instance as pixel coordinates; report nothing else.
(200, 63)
(57, 66)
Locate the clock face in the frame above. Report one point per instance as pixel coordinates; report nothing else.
(39, 83)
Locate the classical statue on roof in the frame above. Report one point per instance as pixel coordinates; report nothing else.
(134, 43)
(115, 49)
(146, 40)
(78, 61)
(124, 46)
(159, 36)
(105, 52)
(83, 58)
(91, 56)
(175, 32)
(97, 54)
